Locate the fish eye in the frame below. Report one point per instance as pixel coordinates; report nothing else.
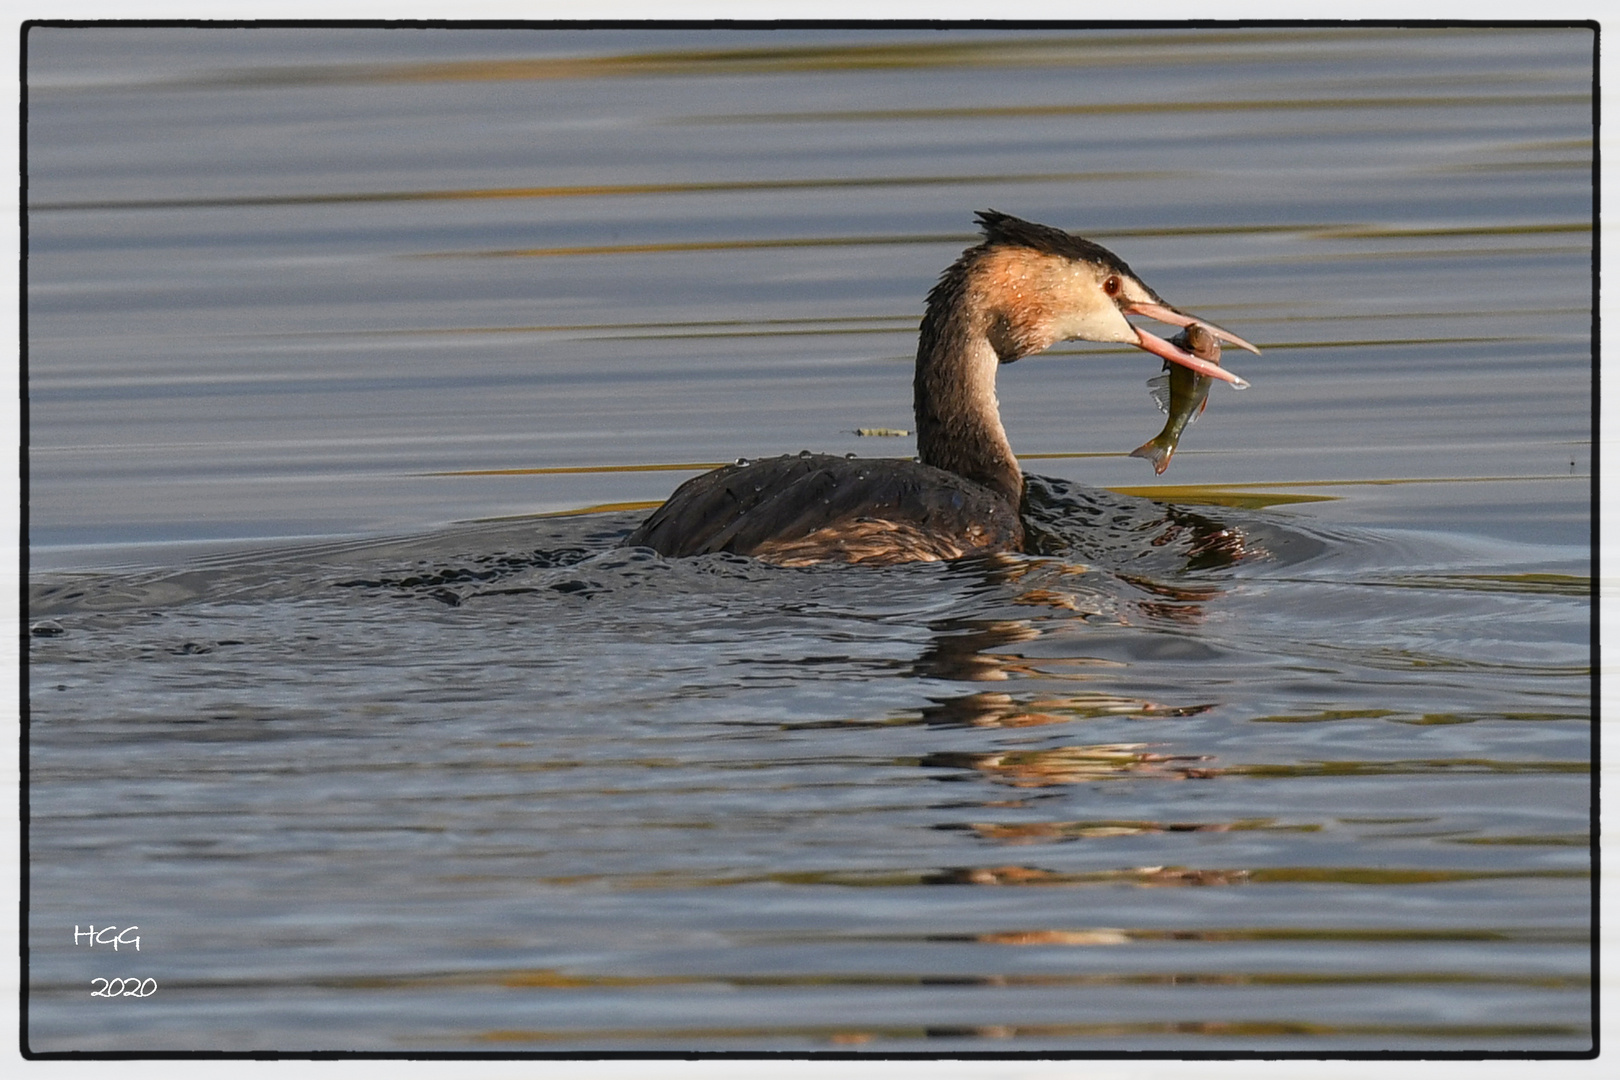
(1111, 286)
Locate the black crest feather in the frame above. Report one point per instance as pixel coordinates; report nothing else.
(1004, 229)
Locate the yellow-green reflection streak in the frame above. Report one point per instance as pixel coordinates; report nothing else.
(565, 470)
(1024, 833)
(1578, 164)
(1570, 840)
(1153, 108)
(680, 246)
(1533, 584)
(1188, 492)
(577, 191)
(907, 323)
(1165, 47)
(790, 242)
(1447, 766)
(1243, 500)
(1382, 232)
(596, 508)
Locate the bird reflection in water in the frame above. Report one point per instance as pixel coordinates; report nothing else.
(990, 709)
(1148, 876)
(964, 650)
(1059, 765)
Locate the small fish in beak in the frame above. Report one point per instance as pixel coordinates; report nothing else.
(1181, 392)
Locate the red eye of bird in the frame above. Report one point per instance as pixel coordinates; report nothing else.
(1111, 286)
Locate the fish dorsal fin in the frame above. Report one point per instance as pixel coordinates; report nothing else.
(1159, 387)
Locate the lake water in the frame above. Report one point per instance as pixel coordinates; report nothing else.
(352, 355)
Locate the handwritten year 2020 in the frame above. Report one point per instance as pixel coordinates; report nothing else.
(111, 935)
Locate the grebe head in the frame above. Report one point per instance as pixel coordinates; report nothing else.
(1037, 285)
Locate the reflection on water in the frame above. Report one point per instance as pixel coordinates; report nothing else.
(1290, 753)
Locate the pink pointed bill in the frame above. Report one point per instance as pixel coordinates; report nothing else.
(1160, 347)
(1175, 318)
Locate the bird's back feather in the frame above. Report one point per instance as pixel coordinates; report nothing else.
(819, 508)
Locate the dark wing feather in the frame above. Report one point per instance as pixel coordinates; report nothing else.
(813, 508)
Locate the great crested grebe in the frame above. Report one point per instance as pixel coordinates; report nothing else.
(1023, 288)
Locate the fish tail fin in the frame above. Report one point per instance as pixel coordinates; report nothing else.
(1157, 453)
